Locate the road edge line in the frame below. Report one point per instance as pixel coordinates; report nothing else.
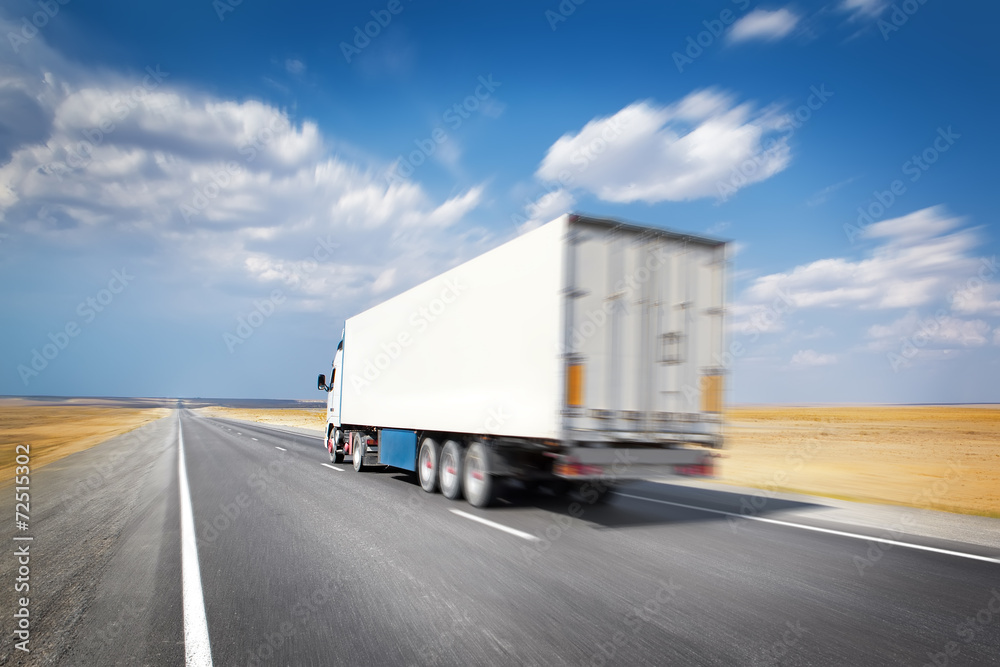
(197, 646)
(817, 529)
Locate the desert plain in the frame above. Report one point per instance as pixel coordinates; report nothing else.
(935, 457)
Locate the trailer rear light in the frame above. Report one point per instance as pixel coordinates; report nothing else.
(576, 470)
(697, 470)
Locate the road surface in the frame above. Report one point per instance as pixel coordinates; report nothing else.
(301, 563)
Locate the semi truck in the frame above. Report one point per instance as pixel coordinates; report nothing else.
(579, 355)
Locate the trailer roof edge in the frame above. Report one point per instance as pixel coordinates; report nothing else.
(659, 231)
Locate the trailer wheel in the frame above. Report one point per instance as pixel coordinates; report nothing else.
(427, 464)
(358, 451)
(450, 473)
(479, 485)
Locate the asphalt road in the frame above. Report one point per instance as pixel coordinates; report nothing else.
(303, 564)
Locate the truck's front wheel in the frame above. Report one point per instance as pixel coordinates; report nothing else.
(427, 464)
(480, 486)
(335, 445)
(450, 475)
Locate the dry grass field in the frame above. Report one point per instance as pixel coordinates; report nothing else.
(55, 431)
(302, 418)
(945, 458)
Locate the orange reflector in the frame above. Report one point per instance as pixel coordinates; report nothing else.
(711, 393)
(574, 385)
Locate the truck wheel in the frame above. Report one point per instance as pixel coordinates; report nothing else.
(358, 451)
(479, 485)
(338, 446)
(335, 446)
(427, 464)
(450, 474)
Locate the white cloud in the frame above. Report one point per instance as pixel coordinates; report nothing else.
(919, 260)
(977, 297)
(680, 152)
(295, 66)
(764, 25)
(812, 358)
(547, 207)
(863, 8)
(237, 193)
(996, 336)
(942, 331)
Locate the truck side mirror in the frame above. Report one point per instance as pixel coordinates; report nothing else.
(321, 382)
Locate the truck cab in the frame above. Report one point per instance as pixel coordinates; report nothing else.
(334, 435)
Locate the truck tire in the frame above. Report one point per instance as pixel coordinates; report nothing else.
(358, 447)
(450, 473)
(427, 464)
(335, 445)
(480, 486)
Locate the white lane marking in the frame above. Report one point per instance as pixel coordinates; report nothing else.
(334, 467)
(281, 448)
(238, 433)
(498, 526)
(255, 439)
(197, 648)
(841, 533)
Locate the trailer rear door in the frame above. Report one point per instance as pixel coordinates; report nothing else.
(643, 333)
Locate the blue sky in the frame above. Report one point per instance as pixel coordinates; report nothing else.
(170, 170)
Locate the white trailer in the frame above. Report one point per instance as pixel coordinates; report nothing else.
(584, 352)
